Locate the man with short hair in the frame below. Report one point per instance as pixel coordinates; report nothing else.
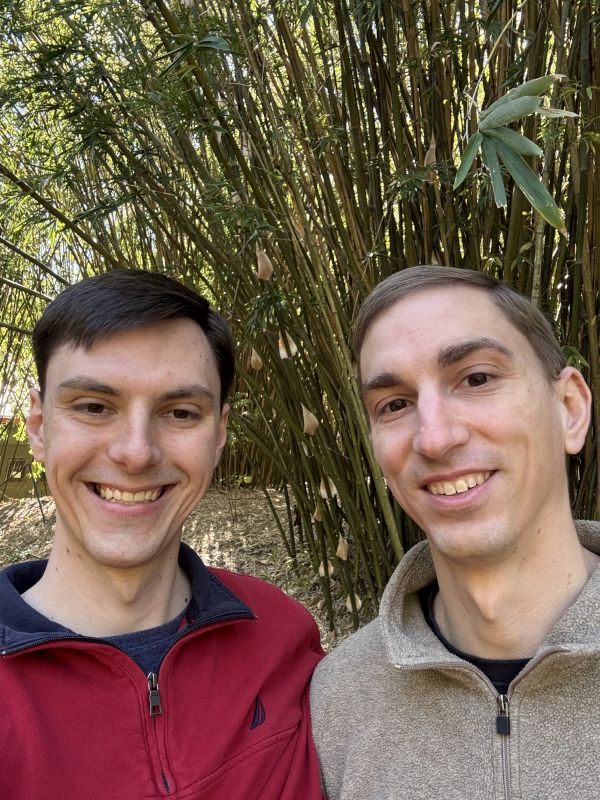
(128, 670)
(480, 678)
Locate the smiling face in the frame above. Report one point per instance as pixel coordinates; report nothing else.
(469, 432)
(129, 432)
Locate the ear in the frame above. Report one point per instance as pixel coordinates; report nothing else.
(35, 425)
(221, 434)
(576, 403)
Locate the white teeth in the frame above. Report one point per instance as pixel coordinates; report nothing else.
(129, 498)
(460, 485)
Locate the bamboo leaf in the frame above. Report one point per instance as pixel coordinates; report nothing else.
(532, 88)
(180, 53)
(490, 159)
(547, 111)
(510, 111)
(471, 151)
(519, 143)
(531, 186)
(536, 86)
(213, 42)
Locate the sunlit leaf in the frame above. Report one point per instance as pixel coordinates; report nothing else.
(531, 186)
(516, 141)
(532, 88)
(547, 111)
(471, 151)
(510, 111)
(490, 159)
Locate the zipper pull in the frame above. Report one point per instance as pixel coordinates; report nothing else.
(154, 695)
(502, 717)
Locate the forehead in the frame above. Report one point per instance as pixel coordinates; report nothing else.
(165, 352)
(429, 320)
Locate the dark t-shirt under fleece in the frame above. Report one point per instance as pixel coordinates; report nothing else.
(500, 671)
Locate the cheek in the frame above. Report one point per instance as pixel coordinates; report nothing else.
(197, 461)
(390, 450)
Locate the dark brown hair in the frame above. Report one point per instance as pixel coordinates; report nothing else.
(123, 300)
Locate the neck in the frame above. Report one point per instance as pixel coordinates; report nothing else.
(505, 611)
(93, 600)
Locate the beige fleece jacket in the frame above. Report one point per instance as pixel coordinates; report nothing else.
(396, 716)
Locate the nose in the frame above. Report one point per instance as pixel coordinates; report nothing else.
(135, 444)
(440, 427)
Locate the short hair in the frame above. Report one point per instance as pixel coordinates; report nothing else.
(518, 310)
(122, 300)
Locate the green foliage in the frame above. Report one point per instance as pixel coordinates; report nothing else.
(196, 140)
(497, 140)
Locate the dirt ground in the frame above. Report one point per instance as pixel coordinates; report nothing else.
(231, 528)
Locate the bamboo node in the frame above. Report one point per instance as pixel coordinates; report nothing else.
(264, 269)
(256, 361)
(342, 549)
(323, 488)
(330, 568)
(288, 351)
(311, 423)
(357, 603)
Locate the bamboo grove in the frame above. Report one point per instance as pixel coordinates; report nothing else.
(283, 157)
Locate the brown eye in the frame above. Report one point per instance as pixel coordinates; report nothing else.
(477, 379)
(94, 408)
(396, 405)
(182, 414)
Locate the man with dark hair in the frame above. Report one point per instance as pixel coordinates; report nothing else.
(128, 670)
(479, 679)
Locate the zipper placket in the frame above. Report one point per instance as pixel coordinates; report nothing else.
(154, 695)
(502, 700)
(503, 730)
(154, 698)
(155, 708)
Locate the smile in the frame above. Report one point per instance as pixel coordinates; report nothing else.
(459, 485)
(128, 498)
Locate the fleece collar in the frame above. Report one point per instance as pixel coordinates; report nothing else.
(21, 626)
(410, 642)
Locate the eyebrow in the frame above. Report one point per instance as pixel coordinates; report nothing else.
(447, 356)
(193, 390)
(88, 385)
(384, 380)
(82, 383)
(456, 352)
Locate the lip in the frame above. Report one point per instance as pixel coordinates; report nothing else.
(440, 477)
(459, 500)
(129, 509)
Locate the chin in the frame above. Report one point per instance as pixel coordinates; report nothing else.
(126, 557)
(466, 545)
